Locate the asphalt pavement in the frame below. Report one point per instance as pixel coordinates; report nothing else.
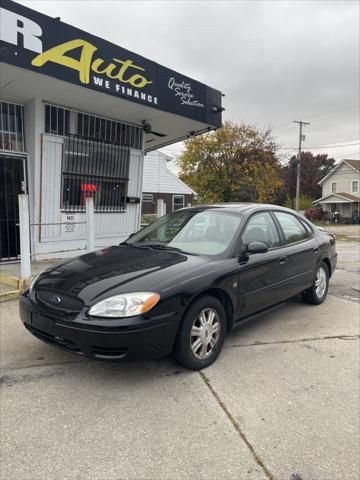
(281, 402)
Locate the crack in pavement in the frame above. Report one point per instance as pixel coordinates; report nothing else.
(234, 423)
(299, 340)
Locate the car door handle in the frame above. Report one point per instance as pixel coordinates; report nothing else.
(316, 249)
(283, 260)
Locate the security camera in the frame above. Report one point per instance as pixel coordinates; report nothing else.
(146, 126)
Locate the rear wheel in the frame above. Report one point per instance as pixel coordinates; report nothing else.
(317, 293)
(201, 335)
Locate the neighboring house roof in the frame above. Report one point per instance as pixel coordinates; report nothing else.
(158, 178)
(341, 197)
(354, 164)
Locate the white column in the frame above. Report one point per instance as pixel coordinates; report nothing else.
(24, 236)
(160, 207)
(90, 224)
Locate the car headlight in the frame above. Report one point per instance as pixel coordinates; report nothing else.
(125, 305)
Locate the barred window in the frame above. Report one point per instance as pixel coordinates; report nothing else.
(94, 166)
(12, 127)
(57, 120)
(94, 127)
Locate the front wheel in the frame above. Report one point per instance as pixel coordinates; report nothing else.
(201, 335)
(317, 293)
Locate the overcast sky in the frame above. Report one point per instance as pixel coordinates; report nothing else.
(276, 61)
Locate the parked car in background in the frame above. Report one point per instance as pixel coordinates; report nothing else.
(178, 287)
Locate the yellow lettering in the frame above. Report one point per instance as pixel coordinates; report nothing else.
(86, 63)
(138, 81)
(57, 55)
(132, 80)
(95, 67)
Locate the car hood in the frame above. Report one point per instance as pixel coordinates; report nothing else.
(116, 270)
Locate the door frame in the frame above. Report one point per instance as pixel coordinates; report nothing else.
(24, 188)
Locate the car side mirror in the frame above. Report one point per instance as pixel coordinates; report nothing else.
(257, 247)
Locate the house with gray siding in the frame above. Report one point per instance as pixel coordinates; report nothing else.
(341, 190)
(163, 191)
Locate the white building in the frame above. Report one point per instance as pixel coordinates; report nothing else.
(77, 114)
(341, 190)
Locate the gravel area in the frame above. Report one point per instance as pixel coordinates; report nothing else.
(345, 282)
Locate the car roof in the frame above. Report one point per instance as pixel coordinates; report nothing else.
(240, 207)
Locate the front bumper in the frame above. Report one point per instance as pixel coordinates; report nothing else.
(117, 339)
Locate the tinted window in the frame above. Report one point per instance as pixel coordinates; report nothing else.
(293, 229)
(307, 227)
(261, 228)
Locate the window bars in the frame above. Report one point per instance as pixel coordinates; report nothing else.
(11, 127)
(91, 126)
(57, 120)
(62, 121)
(94, 167)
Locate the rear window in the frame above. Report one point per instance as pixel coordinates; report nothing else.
(294, 230)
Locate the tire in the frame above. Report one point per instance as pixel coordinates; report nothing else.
(316, 294)
(207, 320)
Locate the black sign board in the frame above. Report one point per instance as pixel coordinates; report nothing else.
(45, 45)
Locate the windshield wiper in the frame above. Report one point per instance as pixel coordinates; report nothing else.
(161, 246)
(134, 245)
(157, 246)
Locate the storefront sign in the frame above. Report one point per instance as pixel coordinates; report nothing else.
(45, 45)
(88, 188)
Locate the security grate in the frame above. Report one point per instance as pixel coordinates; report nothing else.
(11, 185)
(11, 127)
(57, 120)
(91, 126)
(94, 167)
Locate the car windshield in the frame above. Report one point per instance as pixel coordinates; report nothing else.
(205, 232)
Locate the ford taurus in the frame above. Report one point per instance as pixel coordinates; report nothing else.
(180, 284)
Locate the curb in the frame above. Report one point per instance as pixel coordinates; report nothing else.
(15, 282)
(8, 296)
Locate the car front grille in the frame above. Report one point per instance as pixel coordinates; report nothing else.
(60, 301)
(59, 341)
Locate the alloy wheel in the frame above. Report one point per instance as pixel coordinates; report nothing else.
(320, 282)
(205, 333)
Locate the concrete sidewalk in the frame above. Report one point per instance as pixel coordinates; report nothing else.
(282, 400)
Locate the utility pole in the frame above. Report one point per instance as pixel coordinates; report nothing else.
(301, 138)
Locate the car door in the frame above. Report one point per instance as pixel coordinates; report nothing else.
(261, 276)
(300, 251)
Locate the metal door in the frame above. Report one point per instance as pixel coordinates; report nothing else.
(11, 185)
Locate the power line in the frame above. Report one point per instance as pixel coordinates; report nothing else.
(348, 155)
(334, 113)
(342, 141)
(322, 146)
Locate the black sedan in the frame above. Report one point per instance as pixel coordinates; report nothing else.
(180, 284)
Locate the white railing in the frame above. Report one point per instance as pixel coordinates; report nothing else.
(24, 226)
